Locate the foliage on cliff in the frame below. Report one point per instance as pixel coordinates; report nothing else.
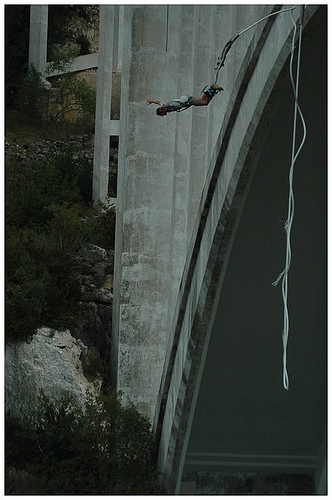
(61, 449)
(48, 217)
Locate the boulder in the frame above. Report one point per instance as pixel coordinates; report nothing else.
(50, 362)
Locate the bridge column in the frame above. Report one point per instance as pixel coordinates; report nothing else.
(163, 165)
(144, 228)
(38, 36)
(104, 126)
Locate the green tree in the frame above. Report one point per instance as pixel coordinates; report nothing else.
(73, 93)
(33, 95)
(105, 449)
(47, 220)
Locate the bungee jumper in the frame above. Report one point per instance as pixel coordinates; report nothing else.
(185, 102)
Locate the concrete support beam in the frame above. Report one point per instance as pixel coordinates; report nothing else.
(164, 164)
(120, 39)
(144, 207)
(103, 104)
(114, 127)
(80, 63)
(38, 36)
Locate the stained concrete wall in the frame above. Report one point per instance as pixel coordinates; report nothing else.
(164, 164)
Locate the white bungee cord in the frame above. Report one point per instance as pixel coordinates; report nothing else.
(222, 58)
(266, 17)
(291, 202)
(295, 153)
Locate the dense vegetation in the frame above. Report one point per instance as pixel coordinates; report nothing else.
(48, 217)
(48, 201)
(105, 450)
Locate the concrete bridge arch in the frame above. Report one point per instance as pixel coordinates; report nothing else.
(200, 294)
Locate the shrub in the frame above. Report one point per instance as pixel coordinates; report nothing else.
(32, 190)
(41, 287)
(105, 449)
(75, 99)
(46, 222)
(99, 226)
(92, 363)
(33, 94)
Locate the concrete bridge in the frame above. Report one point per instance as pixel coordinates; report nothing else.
(196, 323)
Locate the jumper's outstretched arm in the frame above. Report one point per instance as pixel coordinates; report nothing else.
(153, 101)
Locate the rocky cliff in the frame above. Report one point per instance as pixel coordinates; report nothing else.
(51, 362)
(68, 362)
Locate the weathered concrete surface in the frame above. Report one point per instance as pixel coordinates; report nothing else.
(38, 36)
(103, 104)
(80, 63)
(164, 165)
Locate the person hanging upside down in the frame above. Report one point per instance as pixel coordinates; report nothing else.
(184, 102)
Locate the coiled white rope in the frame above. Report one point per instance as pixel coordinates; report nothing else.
(291, 202)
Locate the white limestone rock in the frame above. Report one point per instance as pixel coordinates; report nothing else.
(49, 362)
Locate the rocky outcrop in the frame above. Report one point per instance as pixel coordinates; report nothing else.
(51, 362)
(80, 34)
(54, 361)
(43, 149)
(94, 266)
(64, 363)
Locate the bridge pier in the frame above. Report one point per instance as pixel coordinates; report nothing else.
(38, 36)
(163, 165)
(103, 105)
